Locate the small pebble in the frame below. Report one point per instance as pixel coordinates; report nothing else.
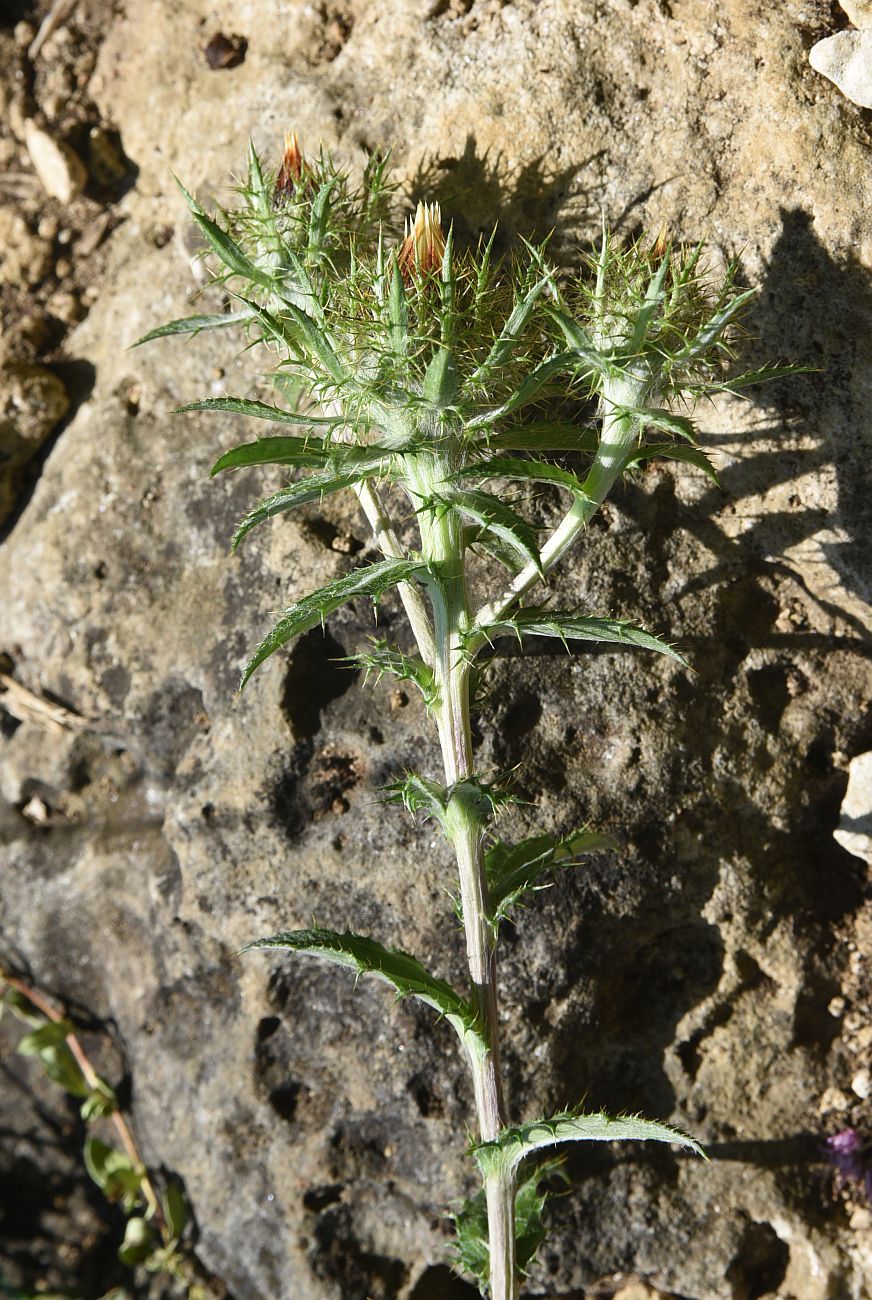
(861, 1084)
(65, 307)
(35, 811)
(846, 59)
(225, 51)
(24, 33)
(836, 1007)
(60, 170)
(833, 1100)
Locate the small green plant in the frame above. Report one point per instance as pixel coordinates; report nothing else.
(155, 1221)
(427, 380)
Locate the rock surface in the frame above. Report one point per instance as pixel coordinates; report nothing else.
(854, 831)
(713, 971)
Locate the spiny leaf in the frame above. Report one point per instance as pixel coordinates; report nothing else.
(373, 580)
(765, 375)
(508, 1150)
(402, 971)
(301, 452)
(583, 347)
(418, 794)
(453, 806)
(535, 471)
(526, 391)
(195, 324)
(666, 421)
(384, 658)
(513, 328)
(676, 451)
(702, 342)
(262, 411)
(654, 296)
(544, 436)
(490, 512)
(398, 312)
(319, 218)
(516, 870)
(313, 487)
(471, 1223)
(441, 381)
(317, 343)
(576, 627)
(221, 243)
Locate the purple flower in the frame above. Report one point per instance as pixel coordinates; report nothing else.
(850, 1153)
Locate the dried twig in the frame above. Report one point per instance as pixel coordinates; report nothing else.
(59, 12)
(27, 707)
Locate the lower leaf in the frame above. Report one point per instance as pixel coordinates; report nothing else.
(507, 1151)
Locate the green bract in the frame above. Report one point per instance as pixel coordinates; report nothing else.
(439, 379)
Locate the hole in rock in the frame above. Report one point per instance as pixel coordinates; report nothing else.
(439, 1283)
(761, 1264)
(314, 679)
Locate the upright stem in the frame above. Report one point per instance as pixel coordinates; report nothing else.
(443, 548)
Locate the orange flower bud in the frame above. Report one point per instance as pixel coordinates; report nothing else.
(291, 169)
(661, 243)
(423, 248)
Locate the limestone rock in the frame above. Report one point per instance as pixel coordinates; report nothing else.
(60, 169)
(32, 402)
(859, 11)
(846, 59)
(854, 831)
(25, 258)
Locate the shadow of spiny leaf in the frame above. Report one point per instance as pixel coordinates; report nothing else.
(480, 191)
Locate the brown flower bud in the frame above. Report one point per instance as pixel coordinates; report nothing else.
(423, 248)
(291, 169)
(661, 243)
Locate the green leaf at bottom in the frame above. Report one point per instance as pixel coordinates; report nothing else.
(509, 1149)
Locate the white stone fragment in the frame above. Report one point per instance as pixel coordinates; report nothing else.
(854, 831)
(846, 59)
(859, 11)
(861, 1084)
(60, 170)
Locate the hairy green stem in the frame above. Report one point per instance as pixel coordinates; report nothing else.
(443, 549)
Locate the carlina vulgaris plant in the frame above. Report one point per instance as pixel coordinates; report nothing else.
(405, 366)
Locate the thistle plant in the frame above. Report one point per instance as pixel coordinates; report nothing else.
(426, 379)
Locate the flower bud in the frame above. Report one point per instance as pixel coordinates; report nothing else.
(423, 248)
(291, 169)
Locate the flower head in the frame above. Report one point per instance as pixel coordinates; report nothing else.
(423, 248)
(291, 169)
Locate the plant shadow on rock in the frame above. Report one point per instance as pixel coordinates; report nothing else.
(311, 783)
(645, 960)
(478, 193)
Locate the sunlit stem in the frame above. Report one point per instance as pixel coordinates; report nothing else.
(618, 437)
(443, 550)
